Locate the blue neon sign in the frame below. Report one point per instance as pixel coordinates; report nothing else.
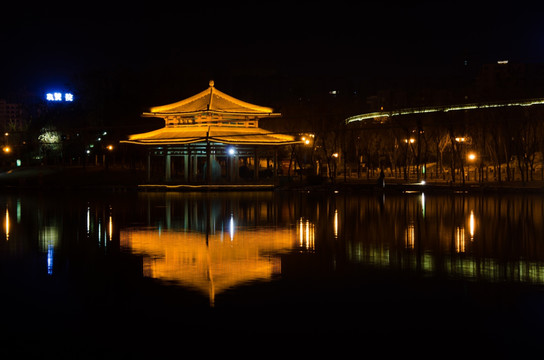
(59, 97)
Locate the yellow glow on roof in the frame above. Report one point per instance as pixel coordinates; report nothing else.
(212, 100)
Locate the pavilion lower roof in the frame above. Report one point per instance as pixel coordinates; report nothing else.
(219, 134)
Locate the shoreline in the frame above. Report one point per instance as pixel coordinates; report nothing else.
(98, 178)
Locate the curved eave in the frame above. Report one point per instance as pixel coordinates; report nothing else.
(216, 140)
(212, 112)
(198, 133)
(259, 143)
(163, 142)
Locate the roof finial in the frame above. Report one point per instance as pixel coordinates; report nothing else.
(211, 83)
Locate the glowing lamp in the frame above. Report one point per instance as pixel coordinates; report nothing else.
(231, 151)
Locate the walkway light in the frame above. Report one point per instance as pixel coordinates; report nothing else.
(335, 155)
(231, 151)
(472, 156)
(7, 149)
(110, 147)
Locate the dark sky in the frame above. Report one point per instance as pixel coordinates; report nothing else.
(44, 46)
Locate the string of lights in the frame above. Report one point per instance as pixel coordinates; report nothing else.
(382, 116)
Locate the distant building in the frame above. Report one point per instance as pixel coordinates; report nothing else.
(11, 116)
(509, 80)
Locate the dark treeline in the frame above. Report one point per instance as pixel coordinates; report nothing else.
(499, 144)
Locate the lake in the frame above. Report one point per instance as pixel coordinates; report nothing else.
(91, 274)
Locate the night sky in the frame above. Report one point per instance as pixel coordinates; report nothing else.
(43, 47)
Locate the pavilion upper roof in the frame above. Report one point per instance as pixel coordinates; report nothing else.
(212, 100)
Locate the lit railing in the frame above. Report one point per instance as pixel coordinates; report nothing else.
(382, 116)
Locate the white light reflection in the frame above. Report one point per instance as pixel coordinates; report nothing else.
(336, 223)
(231, 227)
(110, 227)
(6, 224)
(423, 203)
(88, 220)
(471, 225)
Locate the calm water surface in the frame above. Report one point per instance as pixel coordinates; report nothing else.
(94, 273)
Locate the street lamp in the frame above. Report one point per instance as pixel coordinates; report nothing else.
(305, 140)
(471, 156)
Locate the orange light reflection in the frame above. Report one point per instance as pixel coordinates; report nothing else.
(206, 262)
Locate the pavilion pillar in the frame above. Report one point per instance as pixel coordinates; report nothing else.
(194, 166)
(236, 167)
(275, 175)
(168, 165)
(190, 166)
(208, 163)
(186, 167)
(256, 165)
(148, 167)
(230, 168)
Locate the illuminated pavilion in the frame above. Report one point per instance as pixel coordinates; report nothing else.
(214, 128)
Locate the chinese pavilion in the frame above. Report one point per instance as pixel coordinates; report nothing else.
(214, 128)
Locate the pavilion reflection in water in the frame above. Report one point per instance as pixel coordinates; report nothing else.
(207, 250)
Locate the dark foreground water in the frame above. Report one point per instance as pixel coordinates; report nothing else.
(271, 274)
